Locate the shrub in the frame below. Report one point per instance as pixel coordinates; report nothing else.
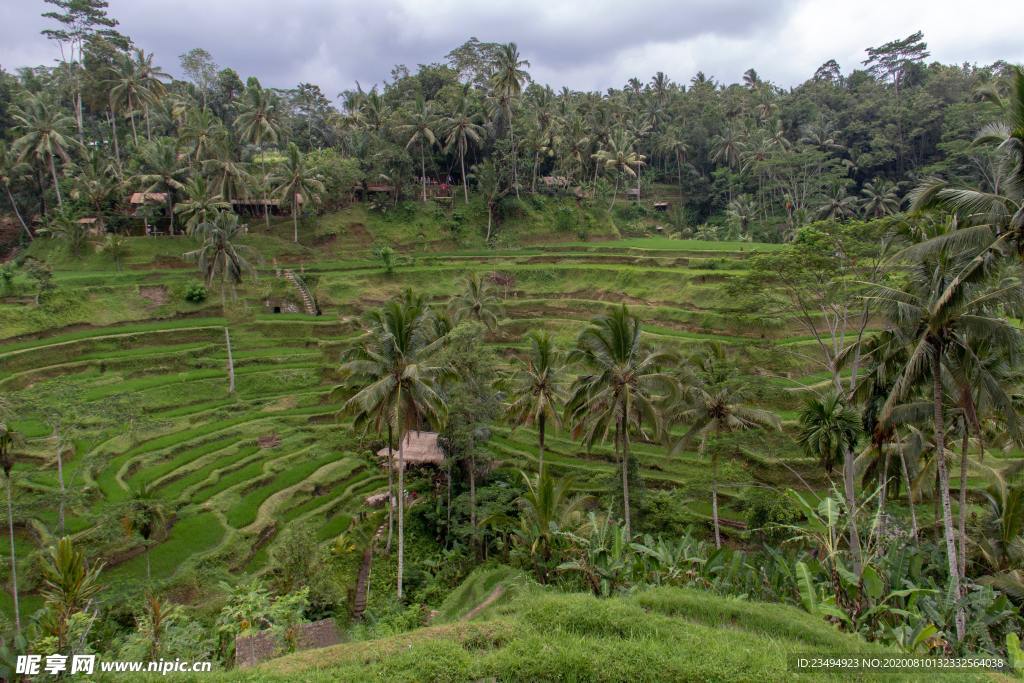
(768, 511)
(565, 219)
(195, 293)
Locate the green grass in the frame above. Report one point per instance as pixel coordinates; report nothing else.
(573, 637)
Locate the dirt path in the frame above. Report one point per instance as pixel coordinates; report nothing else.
(488, 601)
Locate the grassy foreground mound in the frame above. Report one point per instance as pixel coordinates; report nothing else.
(661, 634)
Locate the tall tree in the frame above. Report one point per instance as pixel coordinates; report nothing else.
(162, 171)
(419, 130)
(477, 301)
(461, 129)
(537, 389)
(43, 133)
(398, 381)
(296, 185)
(506, 82)
(8, 438)
(259, 123)
(221, 256)
(621, 390)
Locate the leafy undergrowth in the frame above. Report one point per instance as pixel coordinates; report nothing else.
(655, 635)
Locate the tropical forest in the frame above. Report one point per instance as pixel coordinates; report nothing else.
(463, 377)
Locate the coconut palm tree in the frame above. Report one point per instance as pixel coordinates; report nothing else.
(202, 204)
(712, 404)
(397, 381)
(221, 256)
(478, 301)
(230, 178)
(419, 130)
(128, 91)
(162, 171)
(260, 122)
(944, 303)
(461, 129)
(829, 430)
(506, 82)
(620, 158)
(295, 184)
(547, 507)
(145, 513)
(621, 390)
(537, 389)
(8, 439)
(490, 184)
(204, 133)
(43, 131)
(838, 206)
(881, 198)
(10, 169)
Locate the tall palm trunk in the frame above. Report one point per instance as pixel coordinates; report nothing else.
(56, 184)
(910, 488)
(391, 492)
(401, 503)
(14, 558)
(231, 362)
(423, 173)
(113, 135)
(24, 225)
(624, 442)
(266, 182)
(947, 511)
(962, 521)
(472, 503)
(295, 221)
(462, 167)
(60, 482)
(615, 193)
(540, 442)
(851, 507)
(882, 493)
(714, 492)
(515, 155)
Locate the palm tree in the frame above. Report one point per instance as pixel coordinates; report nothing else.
(740, 213)
(537, 388)
(202, 205)
(116, 247)
(43, 132)
(11, 168)
(259, 122)
(420, 131)
(945, 303)
(489, 184)
(162, 171)
(674, 143)
(220, 255)
(461, 129)
(398, 382)
(507, 84)
(68, 586)
(295, 184)
(478, 301)
(712, 405)
(620, 158)
(546, 507)
(128, 91)
(229, 177)
(829, 430)
(8, 439)
(146, 514)
(881, 198)
(203, 132)
(838, 206)
(621, 390)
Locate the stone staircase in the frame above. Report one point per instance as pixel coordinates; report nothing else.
(308, 302)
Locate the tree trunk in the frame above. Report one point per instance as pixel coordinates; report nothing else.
(401, 503)
(472, 503)
(489, 212)
(231, 362)
(60, 483)
(391, 492)
(423, 173)
(266, 182)
(882, 494)
(947, 511)
(113, 131)
(962, 522)
(851, 507)
(56, 185)
(910, 488)
(515, 156)
(170, 208)
(462, 167)
(624, 438)
(540, 442)
(10, 198)
(295, 221)
(14, 562)
(615, 192)
(714, 496)
(135, 133)
(149, 573)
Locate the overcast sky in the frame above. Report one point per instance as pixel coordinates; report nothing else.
(585, 44)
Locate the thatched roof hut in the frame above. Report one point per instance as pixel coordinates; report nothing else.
(138, 198)
(421, 448)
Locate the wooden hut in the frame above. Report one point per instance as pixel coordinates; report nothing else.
(421, 448)
(94, 224)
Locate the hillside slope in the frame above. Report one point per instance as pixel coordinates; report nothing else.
(661, 634)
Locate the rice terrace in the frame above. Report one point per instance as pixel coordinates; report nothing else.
(465, 376)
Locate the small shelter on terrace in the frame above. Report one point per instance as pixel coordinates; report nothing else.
(421, 448)
(150, 206)
(256, 207)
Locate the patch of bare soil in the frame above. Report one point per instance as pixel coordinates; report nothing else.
(156, 295)
(164, 262)
(270, 441)
(359, 233)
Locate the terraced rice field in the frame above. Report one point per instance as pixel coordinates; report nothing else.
(148, 403)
